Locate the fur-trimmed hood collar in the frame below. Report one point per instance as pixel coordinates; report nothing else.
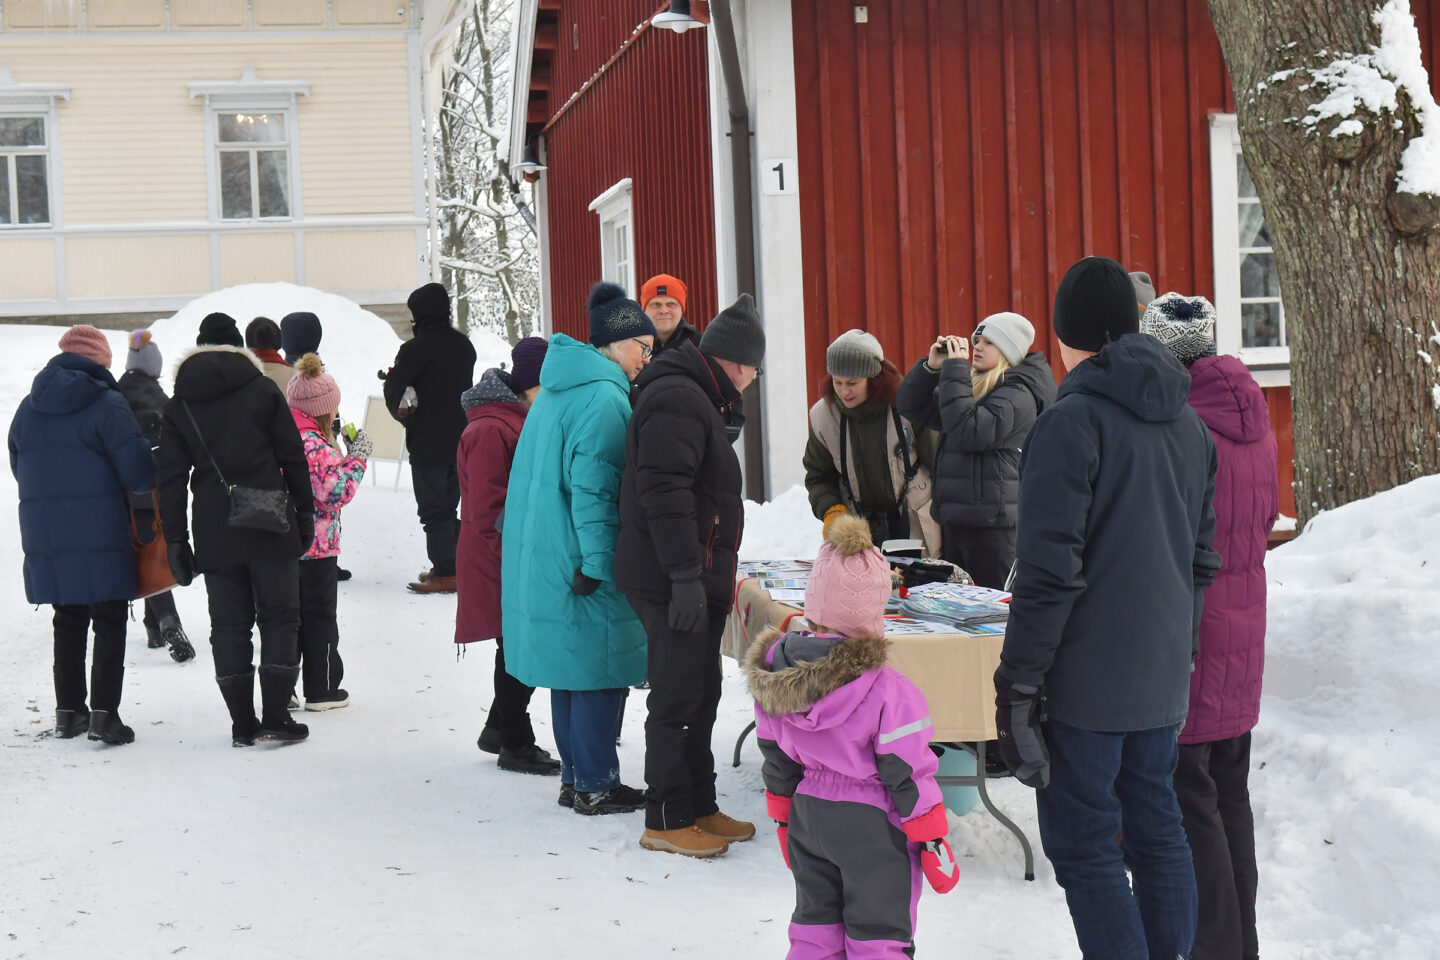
(213, 371)
(805, 668)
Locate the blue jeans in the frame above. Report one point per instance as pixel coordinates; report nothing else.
(585, 724)
(1101, 784)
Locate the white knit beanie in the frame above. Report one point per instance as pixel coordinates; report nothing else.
(1011, 333)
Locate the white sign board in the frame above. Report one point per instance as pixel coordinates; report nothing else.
(778, 177)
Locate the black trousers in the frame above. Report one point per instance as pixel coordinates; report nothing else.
(107, 666)
(319, 633)
(159, 607)
(437, 500)
(246, 595)
(983, 552)
(509, 714)
(1212, 783)
(684, 675)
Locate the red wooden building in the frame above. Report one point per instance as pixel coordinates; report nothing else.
(917, 165)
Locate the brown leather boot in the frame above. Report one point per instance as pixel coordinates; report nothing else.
(688, 841)
(727, 828)
(434, 585)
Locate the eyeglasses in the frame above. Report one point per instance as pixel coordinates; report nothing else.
(646, 351)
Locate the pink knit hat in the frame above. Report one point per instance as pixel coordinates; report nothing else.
(88, 342)
(311, 389)
(850, 582)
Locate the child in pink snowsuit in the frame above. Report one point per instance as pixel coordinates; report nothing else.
(849, 774)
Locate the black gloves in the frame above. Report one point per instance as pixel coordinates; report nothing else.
(1017, 722)
(687, 605)
(583, 586)
(182, 562)
(307, 531)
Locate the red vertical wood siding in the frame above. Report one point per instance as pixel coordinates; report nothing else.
(648, 118)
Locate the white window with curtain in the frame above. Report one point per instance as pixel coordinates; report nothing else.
(29, 153)
(617, 236)
(252, 146)
(1250, 317)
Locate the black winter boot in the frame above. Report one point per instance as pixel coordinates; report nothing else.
(531, 759)
(105, 725)
(239, 693)
(153, 640)
(490, 740)
(71, 723)
(173, 636)
(276, 686)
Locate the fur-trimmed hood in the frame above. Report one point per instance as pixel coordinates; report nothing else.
(215, 370)
(799, 683)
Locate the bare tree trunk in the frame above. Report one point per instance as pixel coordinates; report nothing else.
(1359, 263)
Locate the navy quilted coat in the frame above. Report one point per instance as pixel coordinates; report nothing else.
(1225, 687)
(76, 449)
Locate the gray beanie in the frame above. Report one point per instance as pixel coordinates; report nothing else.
(736, 334)
(144, 354)
(1144, 288)
(1186, 325)
(855, 355)
(1011, 333)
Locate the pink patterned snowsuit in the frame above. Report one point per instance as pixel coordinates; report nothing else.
(848, 738)
(334, 478)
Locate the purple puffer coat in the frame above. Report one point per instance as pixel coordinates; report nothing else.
(1225, 687)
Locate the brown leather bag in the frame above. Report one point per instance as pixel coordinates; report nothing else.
(152, 560)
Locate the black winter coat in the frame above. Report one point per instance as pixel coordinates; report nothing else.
(977, 471)
(1113, 548)
(76, 451)
(683, 334)
(440, 364)
(681, 513)
(147, 401)
(247, 426)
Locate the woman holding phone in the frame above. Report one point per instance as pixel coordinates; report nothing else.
(983, 398)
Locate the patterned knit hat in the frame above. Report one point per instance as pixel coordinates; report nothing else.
(144, 354)
(849, 583)
(854, 355)
(614, 316)
(88, 342)
(312, 390)
(1011, 333)
(526, 358)
(736, 334)
(1186, 325)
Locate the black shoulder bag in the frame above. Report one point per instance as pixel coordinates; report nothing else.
(251, 508)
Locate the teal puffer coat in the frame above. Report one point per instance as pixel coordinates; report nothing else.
(562, 515)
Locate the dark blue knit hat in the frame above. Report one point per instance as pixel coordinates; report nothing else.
(526, 358)
(299, 335)
(613, 316)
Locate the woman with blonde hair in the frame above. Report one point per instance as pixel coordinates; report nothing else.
(984, 400)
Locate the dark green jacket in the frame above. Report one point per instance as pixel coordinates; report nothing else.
(867, 425)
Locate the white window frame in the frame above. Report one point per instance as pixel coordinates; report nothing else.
(1269, 365)
(251, 95)
(35, 100)
(617, 235)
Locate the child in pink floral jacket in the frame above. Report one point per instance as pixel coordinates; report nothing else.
(314, 399)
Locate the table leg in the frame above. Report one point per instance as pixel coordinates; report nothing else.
(740, 742)
(995, 812)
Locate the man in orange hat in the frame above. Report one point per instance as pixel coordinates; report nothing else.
(663, 300)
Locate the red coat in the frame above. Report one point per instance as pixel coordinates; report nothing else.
(487, 448)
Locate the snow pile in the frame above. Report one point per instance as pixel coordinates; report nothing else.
(782, 529)
(491, 350)
(355, 344)
(1346, 774)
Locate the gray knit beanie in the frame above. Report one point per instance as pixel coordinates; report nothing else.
(736, 334)
(1144, 288)
(1011, 333)
(855, 355)
(144, 354)
(1186, 325)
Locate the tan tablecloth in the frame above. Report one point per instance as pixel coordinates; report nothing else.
(955, 672)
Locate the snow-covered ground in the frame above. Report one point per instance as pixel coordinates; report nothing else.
(388, 834)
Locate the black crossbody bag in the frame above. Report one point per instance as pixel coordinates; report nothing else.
(251, 508)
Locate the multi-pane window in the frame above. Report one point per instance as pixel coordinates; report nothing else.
(254, 164)
(24, 171)
(1262, 315)
(617, 235)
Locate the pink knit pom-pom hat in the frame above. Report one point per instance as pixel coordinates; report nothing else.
(850, 582)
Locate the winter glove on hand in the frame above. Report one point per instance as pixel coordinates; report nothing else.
(583, 586)
(361, 447)
(182, 562)
(687, 605)
(1017, 725)
(779, 809)
(937, 861)
(306, 523)
(782, 833)
(838, 510)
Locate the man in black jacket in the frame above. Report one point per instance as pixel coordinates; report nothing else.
(663, 300)
(681, 518)
(1112, 558)
(439, 363)
(228, 426)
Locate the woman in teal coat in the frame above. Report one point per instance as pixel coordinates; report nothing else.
(566, 626)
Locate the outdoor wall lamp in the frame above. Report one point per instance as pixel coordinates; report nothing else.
(530, 166)
(677, 18)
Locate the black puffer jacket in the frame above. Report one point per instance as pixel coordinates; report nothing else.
(977, 471)
(440, 364)
(681, 513)
(246, 424)
(147, 401)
